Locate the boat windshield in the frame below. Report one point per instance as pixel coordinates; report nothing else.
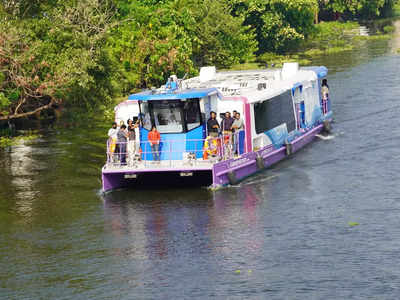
(171, 116)
(168, 116)
(192, 114)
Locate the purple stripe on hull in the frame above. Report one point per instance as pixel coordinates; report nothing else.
(306, 138)
(111, 181)
(231, 171)
(246, 164)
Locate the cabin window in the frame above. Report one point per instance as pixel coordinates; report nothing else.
(171, 116)
(274, 112)
(191, 111)
(145, 115)
(168, 116)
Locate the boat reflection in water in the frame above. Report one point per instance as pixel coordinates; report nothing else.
(183, 224)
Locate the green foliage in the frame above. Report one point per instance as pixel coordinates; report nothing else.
(7, 141)
(83, 54)
(280, 25)
(4, 101)
(396, 9)
(154, 44)
(364, 9)
(388, 29)
(221, 39)
(328, 35)
(278, 60)
(158, 38)
(56, 58)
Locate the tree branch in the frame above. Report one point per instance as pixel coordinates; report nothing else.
(29, 113)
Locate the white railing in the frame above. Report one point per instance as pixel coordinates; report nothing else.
(173, 152)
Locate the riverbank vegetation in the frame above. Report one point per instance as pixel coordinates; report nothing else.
(60, 56)
(7, 140)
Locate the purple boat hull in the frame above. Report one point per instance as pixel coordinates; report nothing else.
(219, 174)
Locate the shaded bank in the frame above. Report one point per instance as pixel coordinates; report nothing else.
(395, 42)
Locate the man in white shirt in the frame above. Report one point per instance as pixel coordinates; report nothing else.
(237, 126)
(112, 134)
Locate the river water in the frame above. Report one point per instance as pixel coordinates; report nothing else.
(324, 224)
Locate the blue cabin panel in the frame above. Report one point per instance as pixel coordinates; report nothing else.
(195, 141)
(173, 145)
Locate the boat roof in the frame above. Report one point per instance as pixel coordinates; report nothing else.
(173, 94)
(230, 84)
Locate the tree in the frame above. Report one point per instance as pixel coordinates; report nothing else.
(280, 25)
(160, 38)
(27, 8)
(364, 9)
(220, 38)
(55, 59)
(151, 43)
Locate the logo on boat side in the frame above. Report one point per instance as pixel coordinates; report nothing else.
(239, 162)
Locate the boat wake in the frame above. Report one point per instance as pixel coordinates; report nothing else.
(257, 180)
(325, 137)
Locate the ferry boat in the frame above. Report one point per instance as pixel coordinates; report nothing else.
(282, 111)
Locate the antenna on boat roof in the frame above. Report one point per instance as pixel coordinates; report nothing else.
(180, 81)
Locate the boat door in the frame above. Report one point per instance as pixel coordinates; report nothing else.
(300, 107)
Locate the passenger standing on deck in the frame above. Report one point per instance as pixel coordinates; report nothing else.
(122, 141)
(227, 123)
(154, 139)
(325, 95)
(112, 134)
(212, 125)
(237, 127)
(227, 134)
(131, 141)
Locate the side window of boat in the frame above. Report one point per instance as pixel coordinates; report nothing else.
(274, 112)
(191, 110)
(144, 108)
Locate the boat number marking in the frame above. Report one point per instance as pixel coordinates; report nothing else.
(130, 176)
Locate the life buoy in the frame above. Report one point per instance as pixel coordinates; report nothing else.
(210, 147)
